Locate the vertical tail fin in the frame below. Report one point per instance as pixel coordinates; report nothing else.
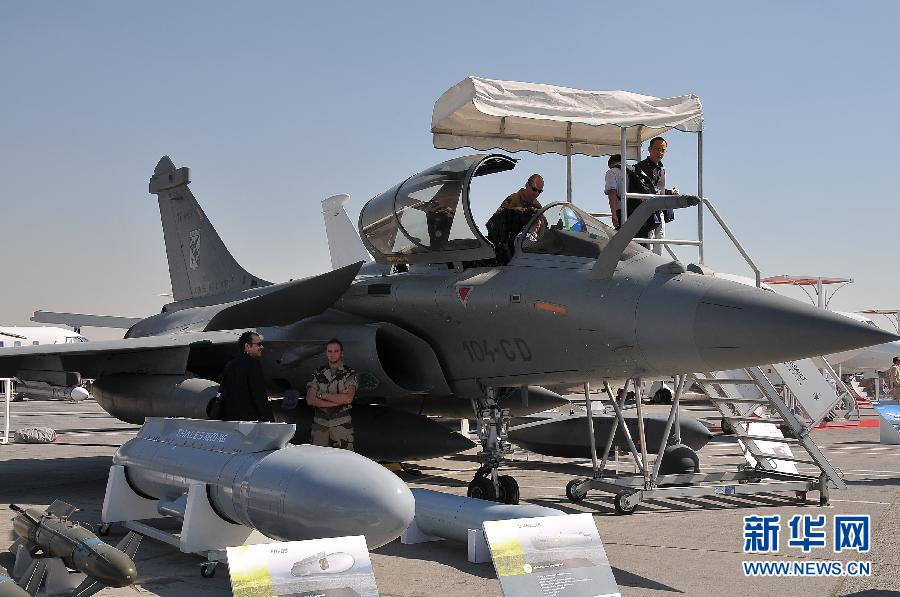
(344, 243)
(199, 262)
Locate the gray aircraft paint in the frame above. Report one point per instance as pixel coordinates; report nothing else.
(439, 330)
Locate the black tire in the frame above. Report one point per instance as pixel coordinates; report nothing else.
(617, 503)
(482, 488)
(727, 427)
(509, 490)
(208, 570)
(663, 396)
(104, 529)
(572, 494)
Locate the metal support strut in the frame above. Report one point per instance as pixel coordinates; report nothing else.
(493, 426)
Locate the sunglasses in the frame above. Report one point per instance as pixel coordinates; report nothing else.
(537, 190)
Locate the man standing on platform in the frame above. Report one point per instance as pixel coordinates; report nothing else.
(652, 168)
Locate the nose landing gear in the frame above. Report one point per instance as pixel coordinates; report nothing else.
(488, 484)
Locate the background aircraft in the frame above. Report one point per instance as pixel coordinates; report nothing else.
(11, 336)
(435, 317)
(65, 387)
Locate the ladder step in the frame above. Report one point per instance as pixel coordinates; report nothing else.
(765, 438)
(740, 400)
(753, 419)
(726, 380)
(786, 459)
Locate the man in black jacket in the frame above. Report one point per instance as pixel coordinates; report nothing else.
(244, 395)
(653, 174)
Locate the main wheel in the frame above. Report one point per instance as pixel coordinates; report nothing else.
(573, 493)
(509, 489)
(104, 529)
(208, 569)
(727, 427)
(482, 488)
(621, 506)
(663, 396)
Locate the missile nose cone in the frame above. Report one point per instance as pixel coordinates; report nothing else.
(335, 493)
(739, 326)
(108, 565)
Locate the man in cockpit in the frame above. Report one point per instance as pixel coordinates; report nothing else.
(513, 215)
(526, 197)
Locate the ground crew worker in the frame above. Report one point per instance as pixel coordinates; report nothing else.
(893, 377)
(331, 393)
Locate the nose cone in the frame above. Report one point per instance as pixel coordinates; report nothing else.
(336, 493)
(109, 565)
(696, 323)
(738, 326)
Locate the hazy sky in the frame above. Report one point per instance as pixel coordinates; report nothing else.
(277, 105)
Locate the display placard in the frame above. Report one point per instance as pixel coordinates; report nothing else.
(334, 567)
(890, 423)
(555, 556)
(806, 383)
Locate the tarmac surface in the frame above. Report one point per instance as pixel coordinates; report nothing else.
(687, 546)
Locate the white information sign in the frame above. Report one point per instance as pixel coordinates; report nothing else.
(812, 391)
(889, 429)
(334, 567)
(554, 556)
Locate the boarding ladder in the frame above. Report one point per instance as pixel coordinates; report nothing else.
(742, 408)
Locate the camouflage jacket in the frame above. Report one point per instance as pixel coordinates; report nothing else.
(333, 381)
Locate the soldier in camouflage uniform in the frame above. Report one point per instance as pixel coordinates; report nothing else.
(331, 392)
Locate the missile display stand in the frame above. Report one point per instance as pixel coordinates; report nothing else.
(772, 471)
(203, 531)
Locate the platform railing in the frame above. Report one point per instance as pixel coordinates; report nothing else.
(699, 243)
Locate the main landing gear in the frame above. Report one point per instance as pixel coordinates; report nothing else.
(488, 484)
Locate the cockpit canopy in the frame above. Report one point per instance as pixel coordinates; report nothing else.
(426, 218)
(565, 230)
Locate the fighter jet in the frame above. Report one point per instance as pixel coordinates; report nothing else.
(435, 315)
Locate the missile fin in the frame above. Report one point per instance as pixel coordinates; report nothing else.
(61, 509)
(87, 588)
(34, 577)
(30, 547)
(130, 544)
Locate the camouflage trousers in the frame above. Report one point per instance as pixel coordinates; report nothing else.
(333, 433)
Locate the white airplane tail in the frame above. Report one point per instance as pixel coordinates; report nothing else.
(344, 243)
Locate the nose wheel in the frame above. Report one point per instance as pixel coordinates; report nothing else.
(482, 487)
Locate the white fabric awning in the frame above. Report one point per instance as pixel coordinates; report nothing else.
(487, 114)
